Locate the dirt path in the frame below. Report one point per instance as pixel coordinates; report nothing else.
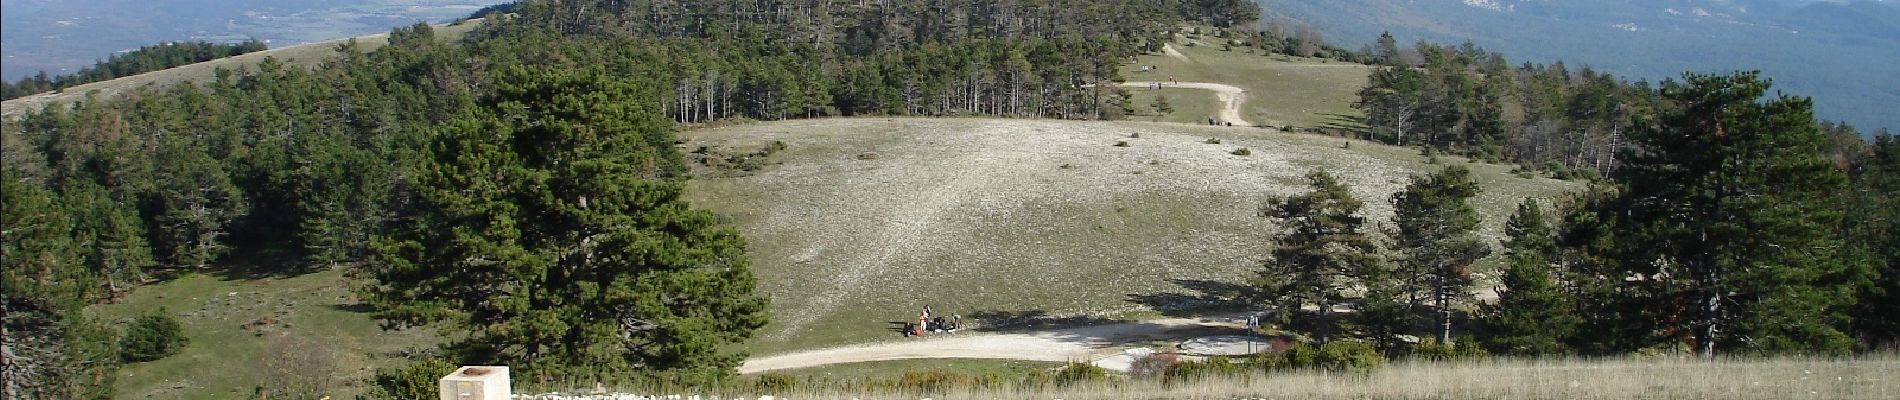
(1074, 344)
(1231, 97)
(1168, 48)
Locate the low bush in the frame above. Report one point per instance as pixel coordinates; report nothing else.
(417, 380)
(1079, 372)
(1463, 349)
(1242, 152)
(151, 337)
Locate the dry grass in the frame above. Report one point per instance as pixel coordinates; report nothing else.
(974, 215)
(1618, 379)
(1874, 377)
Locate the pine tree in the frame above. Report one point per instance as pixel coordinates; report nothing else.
(553, 235)
(1730, 204)
(1873, 227)
(1533, 315)
(1437, 238)
(196, 203)
(52, 351)
(1319, 253)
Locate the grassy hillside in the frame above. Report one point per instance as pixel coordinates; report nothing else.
(248, 331)
(307, 55)
(1281, 90)
(857, 223)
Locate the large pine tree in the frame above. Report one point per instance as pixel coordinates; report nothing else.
(1873, 226)
(1729, 208)
(51, 350)
(1319, 255)
(1533, 315)
(552, 235)
(1437, 238)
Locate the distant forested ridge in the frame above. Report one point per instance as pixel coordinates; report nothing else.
(1844, 52)
(285, 169)
(1568, 121)
(145, 59)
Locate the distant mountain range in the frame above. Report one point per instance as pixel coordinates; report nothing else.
(1845, 54)
(61, 36)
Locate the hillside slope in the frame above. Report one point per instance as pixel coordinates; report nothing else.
(857, 223)
(305, 55)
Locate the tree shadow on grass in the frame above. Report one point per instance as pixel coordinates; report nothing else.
(1030, 320)
(1096, 332)
(1197, 297)
(1352, 126)
(255, 262)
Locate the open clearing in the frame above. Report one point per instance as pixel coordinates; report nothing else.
(860, 222)
(1230, 97)
(243, 330)
(1283, 90)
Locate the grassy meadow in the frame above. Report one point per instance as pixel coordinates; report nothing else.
(1281, 90)
(246, 331)
(858, 223)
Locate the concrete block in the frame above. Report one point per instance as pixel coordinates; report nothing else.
(477, 383)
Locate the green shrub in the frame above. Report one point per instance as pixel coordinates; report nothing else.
(775, 382)
(1463, 349)
(1121, 143)
(1215, 366)
(151, 337)
(1242, 152)
(1079, 372)
(1344, 356)
(930, 381)
(1213, 140)
(418, 380)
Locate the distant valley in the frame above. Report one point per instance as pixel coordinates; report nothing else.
(1845, 54)
(60, 37)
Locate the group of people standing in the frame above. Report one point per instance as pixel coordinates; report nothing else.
(927, 323)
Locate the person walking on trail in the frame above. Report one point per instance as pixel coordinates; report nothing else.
(1176, 82)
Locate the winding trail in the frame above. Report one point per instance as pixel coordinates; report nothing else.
(1168, 48)
(1231, 97)
(1060, 345)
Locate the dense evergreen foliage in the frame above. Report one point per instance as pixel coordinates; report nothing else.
(1533, 316)
(1465, 100)
(1319, 254)
(1437, 243)
(550, 232)
(143, 60)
